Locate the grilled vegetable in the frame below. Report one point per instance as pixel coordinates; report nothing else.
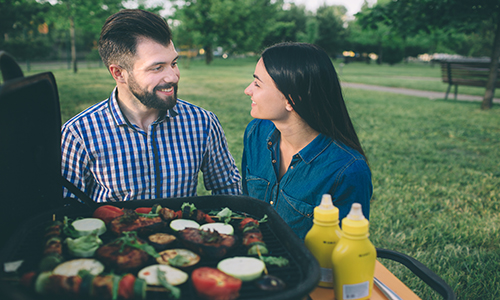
(84, 246)
(88, 226)
(219, 227)
(72, 267)
(160, 241)
(244, 268)
(213, 284)
(181, 224)
(180, 258)
(172, 275)
(107, 213)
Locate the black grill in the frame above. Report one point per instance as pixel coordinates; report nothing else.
(300, 276)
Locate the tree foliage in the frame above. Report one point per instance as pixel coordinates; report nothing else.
(236, 25)
(410, 17)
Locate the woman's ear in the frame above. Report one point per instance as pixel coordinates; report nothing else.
(117, 72)
(288, 105)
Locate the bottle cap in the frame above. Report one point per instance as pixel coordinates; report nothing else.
(355, 223)
(326, 211)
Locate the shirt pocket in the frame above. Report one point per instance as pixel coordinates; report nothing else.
(257, 187)
(296, 213)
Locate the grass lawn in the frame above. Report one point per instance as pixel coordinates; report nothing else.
(435, 164)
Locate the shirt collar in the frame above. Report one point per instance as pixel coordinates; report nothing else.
(120, 119)
(310, 152)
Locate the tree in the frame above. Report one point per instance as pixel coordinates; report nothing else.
(236, 25)
(331, 31)
(22, 27)
(409, 17)
(89, 15)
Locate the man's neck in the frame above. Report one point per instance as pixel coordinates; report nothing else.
(136, 112)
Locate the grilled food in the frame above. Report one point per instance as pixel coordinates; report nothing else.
(207, 243)
(131, 221)
(122, 257)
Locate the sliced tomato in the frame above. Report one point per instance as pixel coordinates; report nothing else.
(143, 210)
(126, 287)
(213, 284)
(107, 213)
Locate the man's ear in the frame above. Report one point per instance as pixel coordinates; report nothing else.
(117, 72)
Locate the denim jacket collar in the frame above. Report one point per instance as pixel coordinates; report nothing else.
(308, 153)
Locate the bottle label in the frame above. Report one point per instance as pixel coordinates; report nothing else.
(356, 291)
(326, 275)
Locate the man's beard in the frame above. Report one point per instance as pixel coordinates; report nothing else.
(151, 100)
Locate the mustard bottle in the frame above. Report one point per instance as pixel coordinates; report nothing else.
(353, 259)
(323, 236)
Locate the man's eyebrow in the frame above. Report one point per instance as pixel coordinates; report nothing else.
(163, 62)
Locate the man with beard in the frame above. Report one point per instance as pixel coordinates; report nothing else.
(142, 142)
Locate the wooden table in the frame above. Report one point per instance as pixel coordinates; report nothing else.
(385, 276)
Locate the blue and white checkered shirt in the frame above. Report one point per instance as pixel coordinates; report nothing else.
(110, 159)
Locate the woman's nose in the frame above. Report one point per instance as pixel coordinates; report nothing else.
(248, 90)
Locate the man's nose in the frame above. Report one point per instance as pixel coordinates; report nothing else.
(171, 75)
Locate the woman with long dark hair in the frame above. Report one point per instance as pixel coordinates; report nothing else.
(302, 143)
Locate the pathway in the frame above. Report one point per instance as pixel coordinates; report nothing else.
(418, 93)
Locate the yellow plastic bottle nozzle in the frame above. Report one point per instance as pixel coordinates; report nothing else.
(355, 223)
(326, 212)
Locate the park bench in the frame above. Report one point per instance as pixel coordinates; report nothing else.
(468, 72)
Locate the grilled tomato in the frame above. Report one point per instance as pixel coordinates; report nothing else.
(213, 284)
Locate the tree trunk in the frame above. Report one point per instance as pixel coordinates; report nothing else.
(73, 43)
(209, 54)
(492, 78)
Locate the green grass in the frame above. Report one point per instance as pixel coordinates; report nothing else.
(435, 164)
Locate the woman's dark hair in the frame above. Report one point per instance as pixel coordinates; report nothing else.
(305, 75)
(122, 30)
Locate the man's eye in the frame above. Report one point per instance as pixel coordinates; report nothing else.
(158, 68)
(174, 64)
(256, 84)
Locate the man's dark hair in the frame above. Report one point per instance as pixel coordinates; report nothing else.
(122, 30)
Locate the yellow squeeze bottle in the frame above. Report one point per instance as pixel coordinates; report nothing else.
(354, 258)
(323, 236)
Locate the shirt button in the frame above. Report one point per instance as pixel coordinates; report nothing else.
(291, 167)
(274, 161)
(272, 202)
(269, 143)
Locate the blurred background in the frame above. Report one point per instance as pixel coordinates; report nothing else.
(383, 31)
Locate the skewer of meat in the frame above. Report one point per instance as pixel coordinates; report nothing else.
(52, 247)
(85, 286)
(252, 236)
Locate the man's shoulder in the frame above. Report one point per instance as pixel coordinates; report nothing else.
(188, 109)
(88, 114)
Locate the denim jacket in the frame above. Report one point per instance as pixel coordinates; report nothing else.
(324, 166)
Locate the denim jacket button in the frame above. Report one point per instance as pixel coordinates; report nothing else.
(274, 161)
(272, 202)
